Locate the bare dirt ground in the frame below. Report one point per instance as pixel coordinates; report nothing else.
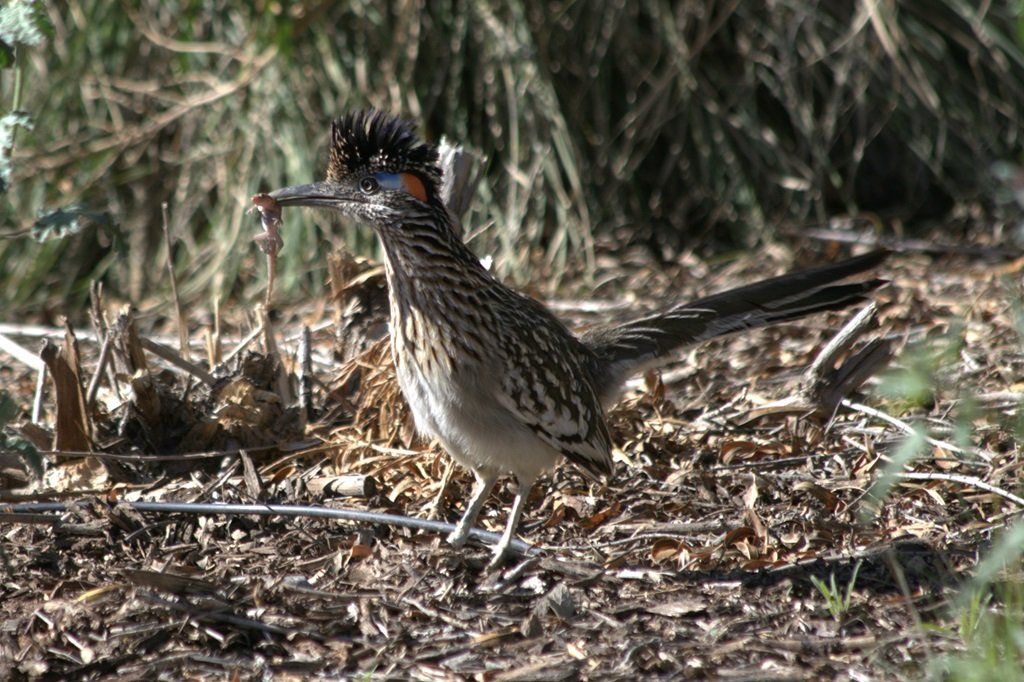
(696, 561)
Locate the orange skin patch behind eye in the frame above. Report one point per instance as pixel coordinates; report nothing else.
(414, 186)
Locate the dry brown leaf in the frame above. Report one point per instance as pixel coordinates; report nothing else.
(283, 474)
(944, 460)
(747, 549)
(759, 564)
(827, 498)
(730, 449)
(556, 516)
(750, 497)
(360, 551)
(738, 535)
(666, 549)
(73, 428)
(83, 474)
(601, 516)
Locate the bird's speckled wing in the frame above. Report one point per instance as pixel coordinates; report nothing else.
(544, 387)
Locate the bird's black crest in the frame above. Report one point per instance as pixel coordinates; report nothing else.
(372, 141)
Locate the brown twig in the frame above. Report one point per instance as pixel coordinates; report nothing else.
(972, 481)
(908, 429)
(101, 365)
(73, 426)
(20, 353)
(303, 447)
(437, 507)
(1002, 252)
(170, 356)
(348, 485)
(179, 317)
(72, 148)
(213, 338)
(288, 510)
(244, 343)
(102, 330)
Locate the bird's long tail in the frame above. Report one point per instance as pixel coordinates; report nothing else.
(623, 350)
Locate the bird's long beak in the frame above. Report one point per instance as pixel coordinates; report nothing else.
(313, 194)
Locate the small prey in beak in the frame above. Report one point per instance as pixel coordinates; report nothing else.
(269, 241)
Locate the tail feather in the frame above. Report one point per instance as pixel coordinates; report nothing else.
(622, 350)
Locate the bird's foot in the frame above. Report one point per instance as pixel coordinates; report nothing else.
(497, 561)
(501, 553)
(458, 537)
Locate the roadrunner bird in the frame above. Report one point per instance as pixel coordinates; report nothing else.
(500, 382)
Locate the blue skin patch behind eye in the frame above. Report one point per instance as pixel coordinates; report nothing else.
(389, 180)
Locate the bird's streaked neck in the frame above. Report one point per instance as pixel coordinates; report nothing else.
(417, 244)
(425, 260)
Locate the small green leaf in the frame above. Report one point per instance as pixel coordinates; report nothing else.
(7, 409)
(6, 55)
(28, 452)
(67, 221)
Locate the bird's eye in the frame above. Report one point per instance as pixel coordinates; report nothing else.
(369, 185)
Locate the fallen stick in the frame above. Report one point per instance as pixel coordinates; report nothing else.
(908, 429)
(101, 365)
(37, 400)
(22, 354)
(178, 315)
(972, 481)
(353, 515)
(348, 485)
(301, 447)
(1002, 252)
(170, 356)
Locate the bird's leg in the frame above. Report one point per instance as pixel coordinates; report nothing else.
(437, 509)
(481, 489)
(522, 494)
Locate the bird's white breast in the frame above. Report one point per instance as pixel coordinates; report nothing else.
(456, 402)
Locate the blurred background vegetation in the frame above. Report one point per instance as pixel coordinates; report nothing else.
(668, 125)
(671, 125)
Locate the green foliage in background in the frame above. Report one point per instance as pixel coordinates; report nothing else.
(988, 606)
(11, 444)
(663, 123)
(991, 619)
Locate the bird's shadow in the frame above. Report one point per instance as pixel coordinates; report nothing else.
(906, 566)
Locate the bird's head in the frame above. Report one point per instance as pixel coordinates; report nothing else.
(378, 171)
